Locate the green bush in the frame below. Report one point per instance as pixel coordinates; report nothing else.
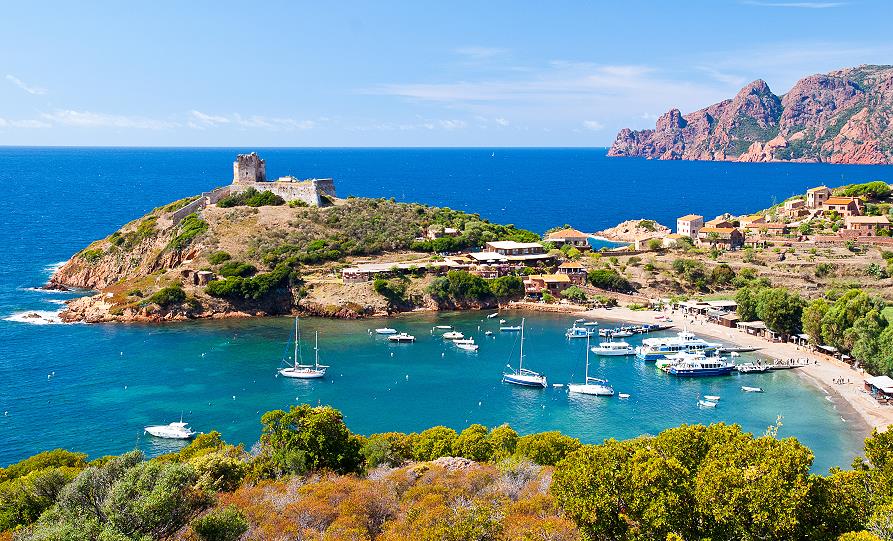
(226, 524)
(546, 448)
(92, 256)
(191, 227)
(473, 443)
(252, 198)
(254, 288)
(236, 268)
(872, 190)
(609, 279)
(168, 296)
(434, 443)
(574, 293)
(219, 257)
(394, 290)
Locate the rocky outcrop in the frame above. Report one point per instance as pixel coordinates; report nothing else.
(633, 230)
(840, 117)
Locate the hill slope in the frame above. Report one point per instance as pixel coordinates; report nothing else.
(840, 117)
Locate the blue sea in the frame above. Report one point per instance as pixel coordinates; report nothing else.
(92, 388)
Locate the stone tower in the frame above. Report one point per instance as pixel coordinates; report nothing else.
(249, 168)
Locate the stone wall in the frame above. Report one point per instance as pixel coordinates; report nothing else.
(205, 199)
(308, 191)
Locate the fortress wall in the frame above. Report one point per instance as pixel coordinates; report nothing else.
(308, 191)
(205, 199)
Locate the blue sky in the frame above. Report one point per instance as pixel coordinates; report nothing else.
(496, 73)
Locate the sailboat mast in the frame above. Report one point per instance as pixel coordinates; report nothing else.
(587, 356)
(316, 351)
(521, 356)
(295, 358)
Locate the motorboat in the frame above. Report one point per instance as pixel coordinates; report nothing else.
(747, 389)
(488, 333)
(522, 376)
(502, 321)
(672, 360)
(623, 395)
(610, 349)
(442, 327)
(590, 324)
(453, 335)
(684, 342)
(401, 338)
(711, 397)
(706, 404)
(385, 330)
(591, 386)
(463, 341)
(578, 332)
(468, 346)
(172, 431)
(494, 314)
(702, 366)
(510, 328)
(623, 333)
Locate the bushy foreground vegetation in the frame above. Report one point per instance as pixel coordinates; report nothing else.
(309, 477)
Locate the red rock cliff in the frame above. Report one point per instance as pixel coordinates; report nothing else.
(842, 117)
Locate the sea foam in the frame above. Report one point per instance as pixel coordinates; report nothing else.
(36, 317)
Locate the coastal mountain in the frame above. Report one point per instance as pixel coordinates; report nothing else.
(840, 117)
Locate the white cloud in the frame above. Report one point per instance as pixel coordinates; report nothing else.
(33, 90)
(27, 123)
(478, 53)
(593, 125)
(453, 124)
(802, 5)
(201, 119)
(501, 121)
(90, 119)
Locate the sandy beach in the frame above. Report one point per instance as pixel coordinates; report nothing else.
(854, 404)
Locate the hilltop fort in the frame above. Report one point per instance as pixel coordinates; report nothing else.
(250, 171)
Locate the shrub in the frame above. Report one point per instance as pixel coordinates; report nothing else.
(434, 443)
(824, 269)
(872, 190)
(219, 257)
(226, 524)
(574, 293)
(236, 268)
(168, 296)
(394, 290)
(473, 444)
(609, 279)
(388, 449)
(252, 198)
(507, 287)
(191, 227)
(503, 442)
(92, 256)
(254, 288)
(546, 448)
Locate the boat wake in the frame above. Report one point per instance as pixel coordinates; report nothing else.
(36, 317)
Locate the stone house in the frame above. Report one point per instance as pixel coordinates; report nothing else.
(751, 222)
(554, 284)
(571, 236)
(867, 226)
(773, 229)
(845, 206)
(575, 271)
(438, 231)
(689, 225)
(725, 238)
(816, 196)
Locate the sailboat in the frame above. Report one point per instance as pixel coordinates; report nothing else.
(523, 376)
(592, 386)
(304, 371)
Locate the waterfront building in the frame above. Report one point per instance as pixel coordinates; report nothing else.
(554, 284)
(575, 271)
(689, 225)
(571, 236)
(816, 196)
(845, 206)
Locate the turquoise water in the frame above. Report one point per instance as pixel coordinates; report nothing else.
(56, 200)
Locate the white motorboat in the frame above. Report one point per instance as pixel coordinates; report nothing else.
(468, 346)
(621, 334)
(591, 386)
(172, 431)
(752, 368)
(442, 327)
(591, 324)
(502, 322)
(488, 333)
(701, 366)
(401, 338)
(304, 371)
(747, 389)
(464, 341)
(706, 404)
(494, 314)
(453, 335)
(385, 330)
(623, 395)
(510, 328)
(711, 397)
(523, 376)
(578, 332)
(684, 342)
(609, 349)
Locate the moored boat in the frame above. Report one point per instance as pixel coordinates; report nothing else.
(522, 376)
(701, 366)
(752, 368)
(591, 386)
(172, 431)
(747, 389)
(401, 337)
(706, 404)
(578, 332)
(510, 328)
(385, 330)
(453, 335)
(684, 342)
(304, 371)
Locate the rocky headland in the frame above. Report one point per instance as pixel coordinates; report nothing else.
(840, 117)
(633, 230)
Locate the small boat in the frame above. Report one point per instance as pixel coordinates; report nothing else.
(590, 324)
(558, 385)
(752, 368)
(442, 327)
(488, 333)
(510, 328)
(706, 404)
(385, 330)
(463, 341)
(591, 386)
(579, 320)
(747, 389)
(468, 347)
(304, 371)
(401, 338)
(611, 349)
(623, 333)
(578, 332)
(711, 397)
(501, 321)
(494, 314)
(736, 349)
(523, 376)
(453, 335)
(700, 366)
(172, 431)
(623, 395)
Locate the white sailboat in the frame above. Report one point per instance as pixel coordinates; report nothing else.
(304, 371)
(523, 376)
(592, 386)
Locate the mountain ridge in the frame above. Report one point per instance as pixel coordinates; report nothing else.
(844, 116)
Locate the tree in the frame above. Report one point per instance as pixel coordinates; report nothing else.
(780, 309)
(307, 438)
(722, 275)
(546, 448)
(747, 300)
(609, 279)
(503, 442)
(574, 293)
(224, 524)
(811, 322)
(507, 287)
(473, 443)
(434, 443)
